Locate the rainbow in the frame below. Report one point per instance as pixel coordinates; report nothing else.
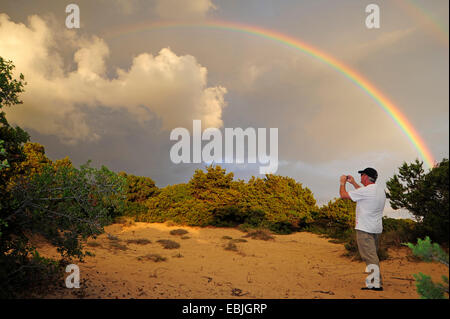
(426, 19)
(387, 105)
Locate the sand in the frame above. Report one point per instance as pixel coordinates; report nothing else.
(296, 266)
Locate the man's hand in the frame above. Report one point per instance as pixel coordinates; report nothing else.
(343, 179)
(350, 179)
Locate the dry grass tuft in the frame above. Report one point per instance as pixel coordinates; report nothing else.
(117, 246)
(231, 246)
(178, 232)
(259, 234)
(153, 257)
(139, 241)
(239, 240)
(169, 244)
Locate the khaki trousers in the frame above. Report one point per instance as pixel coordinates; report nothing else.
(368, 245)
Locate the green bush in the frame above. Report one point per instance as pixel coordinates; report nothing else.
(281, 198)
(65, 206)
(53, 200)
(281, 227)
(214, 198)
(428, 251)
(398, 231)
(335, 220)
(232, 216)
(425, 195)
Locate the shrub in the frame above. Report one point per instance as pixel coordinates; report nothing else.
(177, 203)
(169, 244)
(281, 227)
(115, 245)
(231, 246)
(153, 257)
(425, 195)
(259, 234)
(178, 232)
(138, 189)
(231, 216)
(428, 251)
(140, 241)
(280, 198)
(398, 231)
(335, 220)
(213, 198)
(63, 204)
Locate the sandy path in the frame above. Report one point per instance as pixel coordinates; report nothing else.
(300, 265)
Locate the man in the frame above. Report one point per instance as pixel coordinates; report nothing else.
(370, 200)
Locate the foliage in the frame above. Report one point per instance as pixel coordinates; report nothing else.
(282, 199)
(63, 205)
(44, 199)
(429, 251)
(138, 190)
(335, 220)
(176, 203)
(338, 213)
(397, 231)
(426, 195)
(427, 289)
(4, 163)
(10, 87)
(11, 139)
(231, 216)
(212, 197)
(34, 162)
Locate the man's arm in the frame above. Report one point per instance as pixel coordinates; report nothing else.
(342, 191)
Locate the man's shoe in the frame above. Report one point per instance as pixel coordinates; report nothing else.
(374, 289)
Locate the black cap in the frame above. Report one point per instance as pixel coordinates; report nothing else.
(369, 172)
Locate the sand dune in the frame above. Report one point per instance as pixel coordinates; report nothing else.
(300, 265)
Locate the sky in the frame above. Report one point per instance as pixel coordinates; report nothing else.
(112, 90)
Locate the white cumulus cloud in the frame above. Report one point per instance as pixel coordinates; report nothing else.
(173, 88)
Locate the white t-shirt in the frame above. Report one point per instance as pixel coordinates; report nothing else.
(370, 201)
